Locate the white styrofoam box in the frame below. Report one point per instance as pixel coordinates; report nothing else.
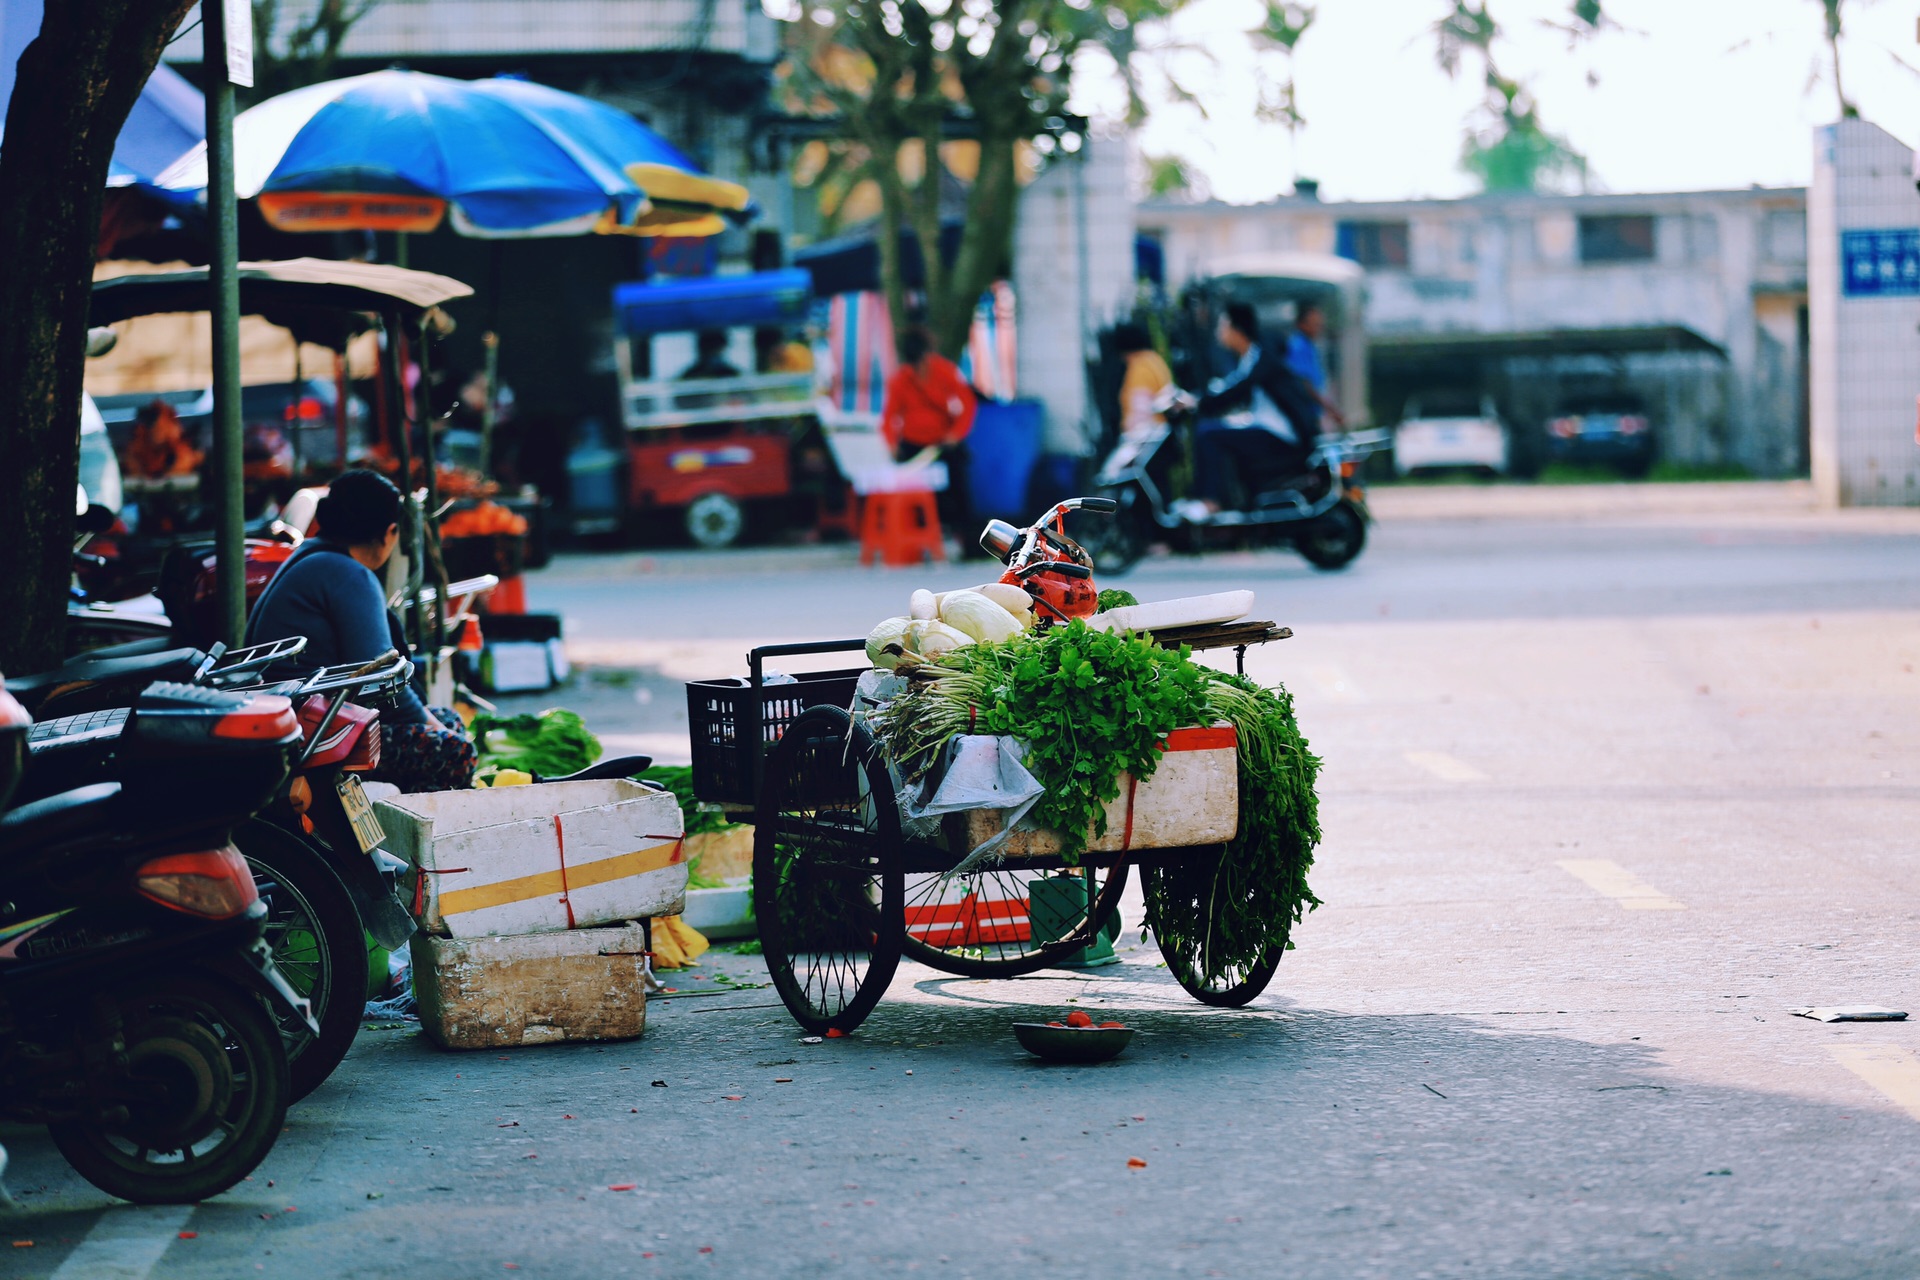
(1193, 798)
(539, 988)
(517, 666)
(537, 859)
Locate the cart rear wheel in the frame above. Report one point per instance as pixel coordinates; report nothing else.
(1236, 982)
(827, 884)
(982, 925)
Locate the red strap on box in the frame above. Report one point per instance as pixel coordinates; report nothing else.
(420, 884)
(1126, 838)
(560, 840)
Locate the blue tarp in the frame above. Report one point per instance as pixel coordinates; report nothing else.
(714, 302)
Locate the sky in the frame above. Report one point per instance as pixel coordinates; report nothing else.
(1692, 95)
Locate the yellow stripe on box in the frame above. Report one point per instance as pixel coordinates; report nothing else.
(658, 857)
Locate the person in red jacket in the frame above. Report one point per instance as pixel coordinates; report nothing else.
(930, 406)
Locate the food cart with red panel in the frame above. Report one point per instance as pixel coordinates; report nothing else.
(711, 449)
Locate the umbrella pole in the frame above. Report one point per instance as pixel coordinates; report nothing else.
(403, 451)
(340, 391)
(490, 411)
(223, 275)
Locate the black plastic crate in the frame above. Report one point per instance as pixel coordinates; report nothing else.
(721, 720)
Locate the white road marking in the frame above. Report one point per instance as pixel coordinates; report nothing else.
(126, 1243)
(1618, 883)
(1891, 1069)
(1442, 765)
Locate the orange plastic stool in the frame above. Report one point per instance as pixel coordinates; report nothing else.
(900, 528)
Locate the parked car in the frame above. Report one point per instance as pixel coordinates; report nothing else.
(1451, 430)
(1612, 431)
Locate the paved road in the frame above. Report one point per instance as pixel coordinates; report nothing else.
(1607, 792)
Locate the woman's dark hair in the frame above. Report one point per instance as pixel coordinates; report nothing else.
(914, 345)
(359, 508)
(1241, 316)
(1129, 338)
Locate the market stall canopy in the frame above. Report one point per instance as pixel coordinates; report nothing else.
(716, 302)
(313, 298)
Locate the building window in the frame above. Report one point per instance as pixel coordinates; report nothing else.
(1375, 245)
(1627, 238)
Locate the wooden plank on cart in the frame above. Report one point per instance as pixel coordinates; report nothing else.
(1220, 635)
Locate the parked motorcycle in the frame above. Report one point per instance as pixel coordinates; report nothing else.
(134, 980)
(1322, 513)
(314, 848)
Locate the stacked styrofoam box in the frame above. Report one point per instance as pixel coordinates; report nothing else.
(527, 898)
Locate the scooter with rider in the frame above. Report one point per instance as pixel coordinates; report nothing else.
(1263, 472)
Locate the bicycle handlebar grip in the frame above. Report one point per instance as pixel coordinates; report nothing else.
(1103, 505)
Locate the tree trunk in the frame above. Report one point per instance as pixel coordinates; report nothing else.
(76, 83)
(986, 243)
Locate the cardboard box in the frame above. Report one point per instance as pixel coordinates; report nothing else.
(1193, 798)
(538, 859)
(538, 988)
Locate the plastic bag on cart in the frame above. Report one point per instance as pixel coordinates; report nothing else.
(981, 771)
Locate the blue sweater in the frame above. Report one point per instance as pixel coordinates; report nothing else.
(333, 600)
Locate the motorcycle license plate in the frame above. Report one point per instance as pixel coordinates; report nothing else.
(366, 823)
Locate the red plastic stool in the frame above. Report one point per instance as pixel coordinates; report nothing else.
(900, 528)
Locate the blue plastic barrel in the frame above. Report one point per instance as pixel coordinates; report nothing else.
(1004, 443)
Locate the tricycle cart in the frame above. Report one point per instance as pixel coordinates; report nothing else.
(843, 887)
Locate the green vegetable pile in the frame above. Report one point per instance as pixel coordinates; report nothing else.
(1089, 705)
(1114, 598)
(697, 816)
(551, 744)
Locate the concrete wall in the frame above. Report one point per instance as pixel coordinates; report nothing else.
(1865, 348)
(1072, 276)
(1728, 265)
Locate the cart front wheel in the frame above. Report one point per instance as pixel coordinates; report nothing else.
(1224, 981)
(828, 890)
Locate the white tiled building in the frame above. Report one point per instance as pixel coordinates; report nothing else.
(1697, 300)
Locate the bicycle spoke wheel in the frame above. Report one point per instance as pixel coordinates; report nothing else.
(827, 884)
(999, 922)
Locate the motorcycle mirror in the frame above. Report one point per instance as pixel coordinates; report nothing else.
(998, 539)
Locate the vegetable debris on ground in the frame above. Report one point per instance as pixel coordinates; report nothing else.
(1091, 705)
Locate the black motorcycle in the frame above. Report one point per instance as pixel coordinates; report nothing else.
(135, 985)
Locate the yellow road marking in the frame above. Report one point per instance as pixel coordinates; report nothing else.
(1618, 883)
(1442, 765)
(1889, 1068)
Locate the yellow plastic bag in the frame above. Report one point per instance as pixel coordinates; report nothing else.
(676, 944)
(505, 778)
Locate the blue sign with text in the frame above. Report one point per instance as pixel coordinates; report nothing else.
(1880, 264)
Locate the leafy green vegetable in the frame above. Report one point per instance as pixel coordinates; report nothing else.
(1225, 912)
(697, 816)
(551, 744)
(1113, 598)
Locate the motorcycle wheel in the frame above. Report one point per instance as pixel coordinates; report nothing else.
(205, 1095)
(318, 946)
(1116, 542)
(1332, 541)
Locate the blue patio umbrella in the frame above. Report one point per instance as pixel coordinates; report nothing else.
(404, 150)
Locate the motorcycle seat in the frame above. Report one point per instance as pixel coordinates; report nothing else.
(59, 818)
(33, 690)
